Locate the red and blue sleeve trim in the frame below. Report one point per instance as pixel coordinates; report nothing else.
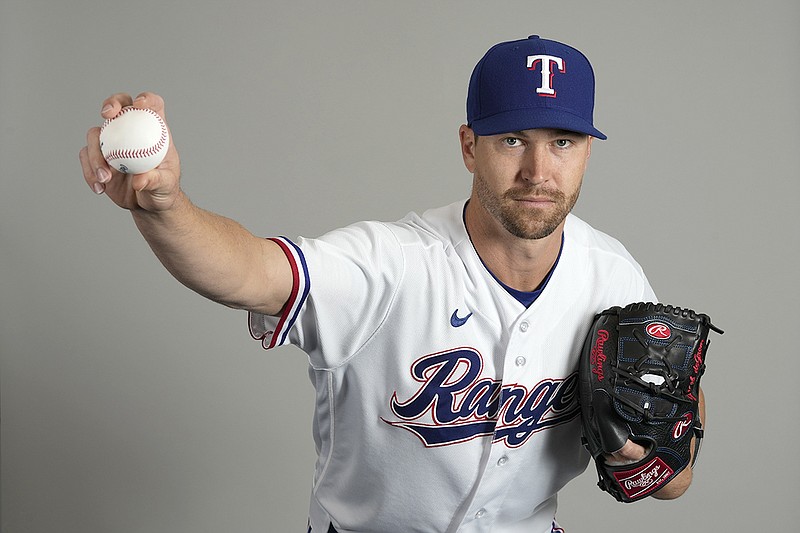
(300, 287)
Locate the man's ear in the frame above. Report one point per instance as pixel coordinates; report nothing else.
(467, 138)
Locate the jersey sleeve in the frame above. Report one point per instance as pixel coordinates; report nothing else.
(344, 284)
(274, 331)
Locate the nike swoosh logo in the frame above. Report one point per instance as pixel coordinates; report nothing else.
(457, 321)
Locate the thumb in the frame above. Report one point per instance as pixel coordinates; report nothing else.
(156, 190)
(629, 453)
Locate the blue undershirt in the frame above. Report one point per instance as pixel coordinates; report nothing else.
(526, 298)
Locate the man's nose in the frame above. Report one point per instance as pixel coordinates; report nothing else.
(536, 164)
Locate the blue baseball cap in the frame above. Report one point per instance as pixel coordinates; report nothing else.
(532, 83)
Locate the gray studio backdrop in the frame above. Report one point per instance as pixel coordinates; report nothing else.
(130, 404)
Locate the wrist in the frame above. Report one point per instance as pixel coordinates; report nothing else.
(170, 214)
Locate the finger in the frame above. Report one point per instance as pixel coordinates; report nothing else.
(149, 100)
(103, 173)
(632, 451)
(114, 104)
(628, 454)
(95, 168)
(89, 173)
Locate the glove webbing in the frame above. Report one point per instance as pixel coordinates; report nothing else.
(664, 390)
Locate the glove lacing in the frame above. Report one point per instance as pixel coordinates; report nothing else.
(663, 390)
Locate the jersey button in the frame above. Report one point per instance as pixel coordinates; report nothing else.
(520, 361)
(480, 514)
(502, 461)
(524, 325)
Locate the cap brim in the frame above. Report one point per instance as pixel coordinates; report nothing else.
(534, 118)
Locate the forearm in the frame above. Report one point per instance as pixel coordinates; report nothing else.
(681, 482)
(214, 256)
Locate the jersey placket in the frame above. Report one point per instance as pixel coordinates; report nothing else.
(500, 465)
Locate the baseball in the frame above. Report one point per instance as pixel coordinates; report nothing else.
(135, 141)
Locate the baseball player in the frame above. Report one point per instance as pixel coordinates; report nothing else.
(443, 347)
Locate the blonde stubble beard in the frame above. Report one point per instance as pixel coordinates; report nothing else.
(517, 220)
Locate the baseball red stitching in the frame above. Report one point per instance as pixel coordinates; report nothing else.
(140, 152)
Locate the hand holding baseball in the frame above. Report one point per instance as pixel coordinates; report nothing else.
(152, 190)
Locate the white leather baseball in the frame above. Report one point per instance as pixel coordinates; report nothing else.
(135, 141)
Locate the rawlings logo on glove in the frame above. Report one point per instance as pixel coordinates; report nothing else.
(640, 375)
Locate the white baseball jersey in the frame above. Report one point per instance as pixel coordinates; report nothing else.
(442, 403)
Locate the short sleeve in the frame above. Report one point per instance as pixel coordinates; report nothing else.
(344, 284)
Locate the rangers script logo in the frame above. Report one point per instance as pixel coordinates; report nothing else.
(455, 404)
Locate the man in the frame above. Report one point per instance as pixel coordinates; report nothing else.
(443, 347)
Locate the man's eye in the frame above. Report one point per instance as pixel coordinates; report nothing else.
(563, 143)
(512, 141)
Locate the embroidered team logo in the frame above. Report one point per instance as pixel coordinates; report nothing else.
(547, 67)
(455, 404)
(658, 330)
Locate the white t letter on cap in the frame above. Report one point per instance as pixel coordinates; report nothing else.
(546, 88)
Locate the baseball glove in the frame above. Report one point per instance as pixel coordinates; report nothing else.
(640, 375)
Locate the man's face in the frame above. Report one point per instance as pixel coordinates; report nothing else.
(527, 181)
